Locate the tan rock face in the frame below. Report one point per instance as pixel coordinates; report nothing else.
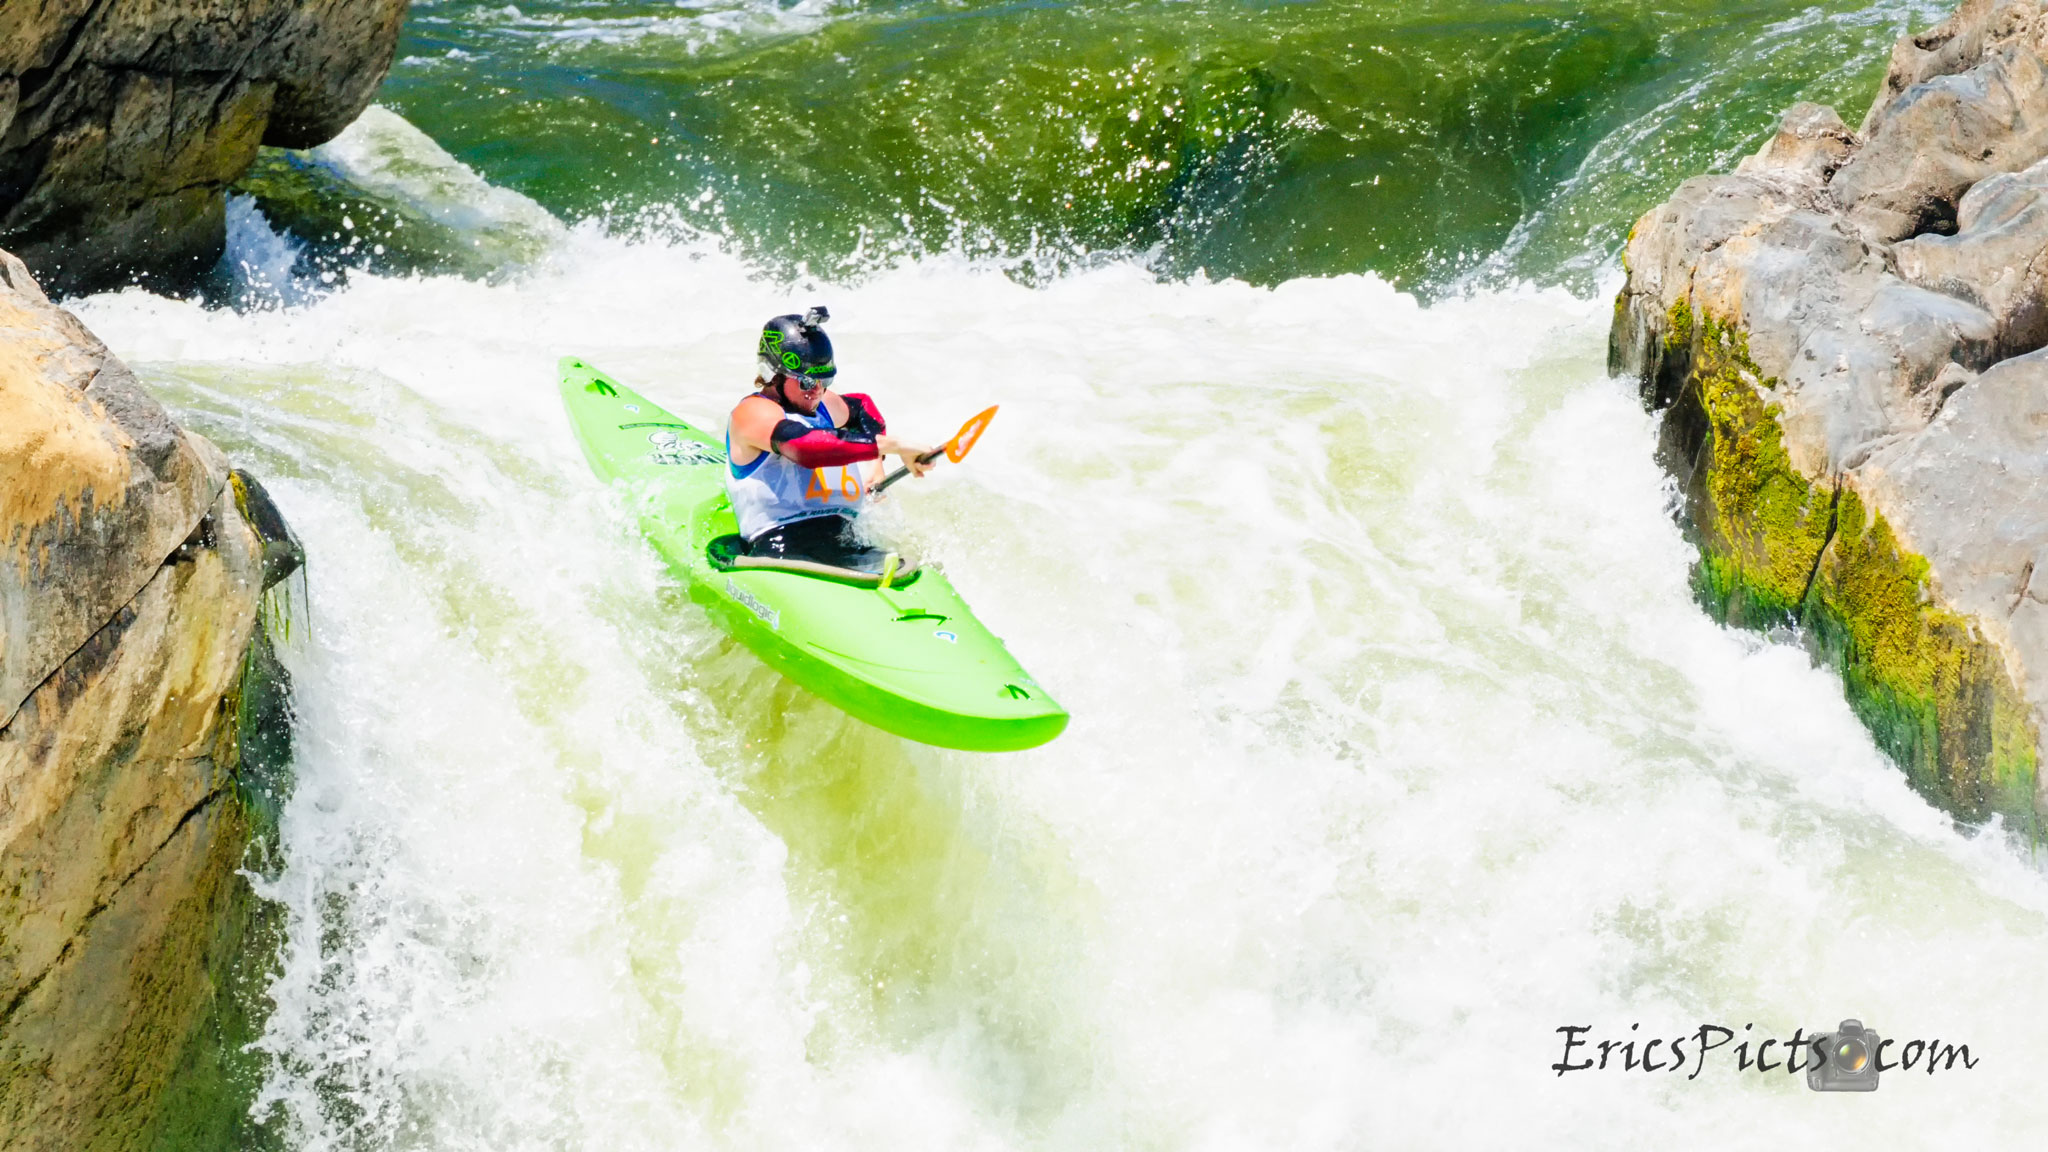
(97, 485)
(129, 585)
(1886, 295)
(119, 841)
(122, 121)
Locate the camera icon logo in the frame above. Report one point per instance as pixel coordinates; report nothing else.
(1845, 1060)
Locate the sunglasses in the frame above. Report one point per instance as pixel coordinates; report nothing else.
(804, 383)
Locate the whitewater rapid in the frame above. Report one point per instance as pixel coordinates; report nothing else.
(1398, 743)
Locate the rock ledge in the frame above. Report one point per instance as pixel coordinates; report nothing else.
(135, 682)
(121, 121)
(1850, 333)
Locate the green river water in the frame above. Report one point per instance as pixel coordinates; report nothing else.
(1258, 140)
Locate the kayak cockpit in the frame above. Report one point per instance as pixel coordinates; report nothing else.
(890, 570)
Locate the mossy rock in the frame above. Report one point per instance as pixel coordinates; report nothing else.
(205, 1105)
(1779, 549)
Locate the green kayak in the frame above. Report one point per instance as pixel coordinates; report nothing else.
(901, 651)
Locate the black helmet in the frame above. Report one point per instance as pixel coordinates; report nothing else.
(797, 346)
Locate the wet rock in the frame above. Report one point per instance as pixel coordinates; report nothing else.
(122, 121)
(1844, 331)
(130, 578)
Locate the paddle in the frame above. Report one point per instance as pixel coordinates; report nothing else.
(955, 449)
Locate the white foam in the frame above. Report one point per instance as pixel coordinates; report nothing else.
(1397, 744)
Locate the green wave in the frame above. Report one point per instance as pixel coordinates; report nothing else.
(1257, 140)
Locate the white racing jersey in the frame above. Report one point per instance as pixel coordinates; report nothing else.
(774, 490)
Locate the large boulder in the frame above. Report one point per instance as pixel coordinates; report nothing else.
(130, 577)
(1846, 332)
(121, 121)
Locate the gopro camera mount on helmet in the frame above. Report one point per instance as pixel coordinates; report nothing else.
(797, 346)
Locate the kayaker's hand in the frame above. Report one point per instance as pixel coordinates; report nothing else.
(908, 453)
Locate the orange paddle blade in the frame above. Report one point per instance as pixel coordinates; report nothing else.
(962, 443)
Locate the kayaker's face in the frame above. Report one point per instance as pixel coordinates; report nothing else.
(804, 397)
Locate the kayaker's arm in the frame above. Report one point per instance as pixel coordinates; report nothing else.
(760, 424)
(812, 447)
(862, 413)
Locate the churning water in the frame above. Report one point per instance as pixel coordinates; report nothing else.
(1398, 742)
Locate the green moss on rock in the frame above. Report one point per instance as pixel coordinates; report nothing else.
(1777, 548)
(1678, 337)
(1763, 525)
(205, 1104)
(1934, 693)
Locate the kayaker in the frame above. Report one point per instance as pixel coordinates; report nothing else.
(801, 458)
